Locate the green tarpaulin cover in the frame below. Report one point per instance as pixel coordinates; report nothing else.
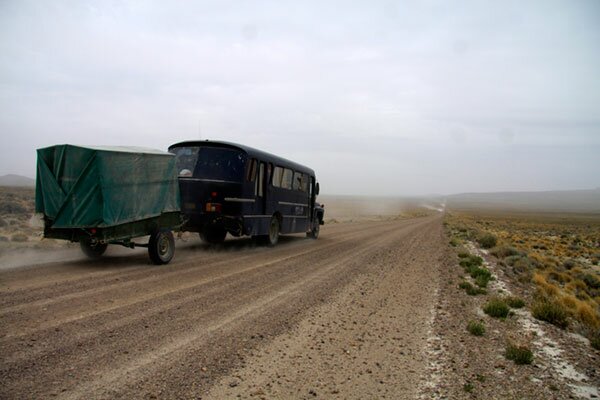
(80, 186)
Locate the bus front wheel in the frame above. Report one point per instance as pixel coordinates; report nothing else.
(314, 232)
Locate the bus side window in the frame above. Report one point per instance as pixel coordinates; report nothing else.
(261, 179)
(251, 172)
(297, 184)
(277, 174)
(286, 180)
(304, 183)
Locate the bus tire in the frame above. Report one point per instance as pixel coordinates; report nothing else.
(314, 232)
(93, 251)
(213, 235)
(161, 247)
(273, 235)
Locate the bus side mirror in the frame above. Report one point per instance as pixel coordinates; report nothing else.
(317, 188)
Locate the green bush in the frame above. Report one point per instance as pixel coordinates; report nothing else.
(470, 289)
(463, 255)
(515, 302)
(471, 261)
(519, 354)
(482, 281)
(476, 328)
(496, 308)
(487, 241)
(550, 311)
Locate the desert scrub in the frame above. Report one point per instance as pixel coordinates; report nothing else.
(550, 311)
(504, 251)
(481, 275)
(487, 241)
(519, 354)
(471, 261)
(496, 308)
(514, 302)
(470, 289)
(476, 328)
(455, 242)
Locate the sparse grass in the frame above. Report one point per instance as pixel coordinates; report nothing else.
(468, 387)
(515, 302)
(550, 311)
(476, 328)
(496, 308)
(487, 241)
(519, 354)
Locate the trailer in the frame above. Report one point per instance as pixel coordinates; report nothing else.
(98, 195)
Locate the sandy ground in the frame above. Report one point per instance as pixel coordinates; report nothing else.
(347, 316)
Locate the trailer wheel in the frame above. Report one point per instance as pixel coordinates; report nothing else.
(273, 236)
(161, 246)
(314, 232)
(92, 250)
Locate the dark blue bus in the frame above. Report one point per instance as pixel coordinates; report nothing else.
(231, 188)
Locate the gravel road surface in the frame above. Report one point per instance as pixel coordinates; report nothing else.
(344, 316)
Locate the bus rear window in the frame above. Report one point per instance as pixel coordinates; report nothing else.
(214, 163)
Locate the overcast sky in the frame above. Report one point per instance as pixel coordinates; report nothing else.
(387, 98)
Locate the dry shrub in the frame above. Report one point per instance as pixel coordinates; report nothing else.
(587, 315)
(550, 311)
(548, 288)
(504, 251)
(570, 301)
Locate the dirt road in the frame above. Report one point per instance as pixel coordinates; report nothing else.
(347, 316)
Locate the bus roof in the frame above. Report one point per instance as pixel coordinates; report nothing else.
(250, 151)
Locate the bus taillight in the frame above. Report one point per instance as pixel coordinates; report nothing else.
(213, 207)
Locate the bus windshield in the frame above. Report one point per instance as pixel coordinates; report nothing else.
(215, 163)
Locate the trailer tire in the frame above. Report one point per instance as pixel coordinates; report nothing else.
(161, 247)
(93, 251)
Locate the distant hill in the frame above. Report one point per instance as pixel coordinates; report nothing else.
(16, 180)
(584, 201)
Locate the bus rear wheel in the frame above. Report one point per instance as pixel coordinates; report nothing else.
(213, 235)
(273, 236)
